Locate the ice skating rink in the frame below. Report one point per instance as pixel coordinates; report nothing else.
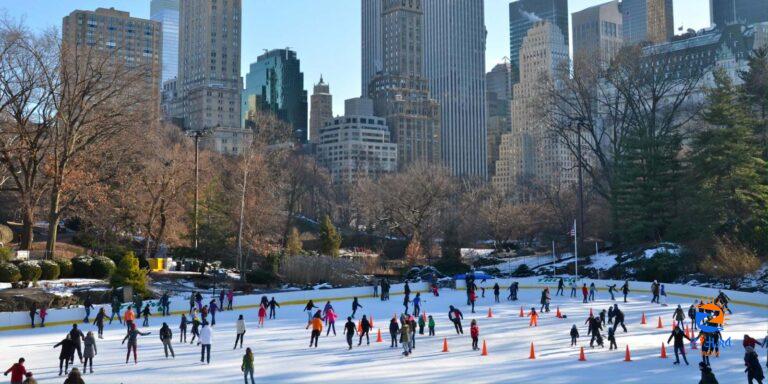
(282, 355)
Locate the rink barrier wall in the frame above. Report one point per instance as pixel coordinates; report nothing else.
(20, 320)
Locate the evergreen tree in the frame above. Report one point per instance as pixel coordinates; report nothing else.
(756, 93)
(215, 227)
(330, 239)
(128, 273)
(294, 245)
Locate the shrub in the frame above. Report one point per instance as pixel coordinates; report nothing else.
(9, 273)
(30, 270)
(65, 267)
(730, 259)
(81, 266)
(50, 269)
(6, 254)
(663, 266)
(451, 266)
(330, 239)
(129, 273)
(260, 276)
(6, 234)
(102, 267)
(522, 270)
(294, 246)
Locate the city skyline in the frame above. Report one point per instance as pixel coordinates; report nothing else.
(342, 37)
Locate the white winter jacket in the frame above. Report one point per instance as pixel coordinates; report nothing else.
(205, 335)
(240, 327)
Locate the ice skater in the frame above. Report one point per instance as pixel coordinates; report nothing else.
(145, 314)
(17, 371)
(592, 291)
(89, 351)
(678, 335)
(166, 337)
(66, 354)
(560, 287)
(317, 328)
(455, 316)
(355, 306)
(132, 338)
(240, 327)
(585, 293)
(130, 317)
(573, 289)
(534, 318)
(394, 330)
(625, 289)
(474, 332)
(496, 291)
(32, 314)
(98, 321)
(272, 305)
(247, 366)
(308, 309)
(88, 304)
(262, 315)
(431, 325)
(231, 298)
(206, 336)
(183, 329)
(365, 327)
(618, 318)
(611, 290)
(417, 304)
(405, 339)
(212, 309)
(195, 329)
(350, 330)
(574, 335)
(77, 336)
(612, 339)
(330, 321)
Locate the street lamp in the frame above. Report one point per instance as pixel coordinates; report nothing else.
(197, 134)
(580, 192)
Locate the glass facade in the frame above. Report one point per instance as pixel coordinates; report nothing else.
(724, 12)
(522, 16)
(167, 13)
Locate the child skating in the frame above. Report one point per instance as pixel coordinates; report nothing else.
(474, 332)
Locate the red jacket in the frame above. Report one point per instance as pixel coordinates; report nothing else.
(43, 312)
(584, 291)
(262, 311)
(749, 342)
(472, 296)
(17, 373)
(474, 331)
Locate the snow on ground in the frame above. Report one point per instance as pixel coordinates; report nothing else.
(281, 353)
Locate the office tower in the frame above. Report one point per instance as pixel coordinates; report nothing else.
(597, 34)
(400, 91)
(134, 42)
(454, 63)
(724, 12)
(275, 83)
(498, 94)
(356, 145)
(647, 21)
(531, 152)
(322, 108)
(371, 49)
(523, 14)
(209, 82)
(166, 12)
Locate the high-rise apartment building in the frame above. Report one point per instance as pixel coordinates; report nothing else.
(647, 21)
(523, 14)
(454, 62)
(597, 32)
(356, 145)
(166, 12)
(209, 82)
(132, 41)
(724, 12)
(277, 83)
(321, 103)
(498, 94)
(531, 152)
(400, 91)
(371, 48)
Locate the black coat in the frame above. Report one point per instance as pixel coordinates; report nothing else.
(76, 335)
(394, 327)
(349, 328)
(678, 335)
(166, 333)
(67, 349)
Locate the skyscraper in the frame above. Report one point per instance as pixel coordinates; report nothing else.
(647, 21)
(724, 12)
(597, 34)
(134, 42)
(400, 91)
(454, 62)
(531, 151)
(321, 111)
(498, 94)
(523, 14)
(167, 13)
(277, 83)
(209, 82)
(371, 49)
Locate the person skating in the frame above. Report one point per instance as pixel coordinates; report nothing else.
(272, 305)
(375, 287)
(365, 326)
(17, 371)
(129, 317)
(231, 298)
(707, 377)
(355, 306)
(455, 316)
(132, 338)
(513, 288)
(422, 324)
(625, 289)
(192, 302)
(206, 336)
(29, 379)
(407, 288)
(612, 339)
(308, 309)
(474, 333)
(472, 299)
(77, 336)
(594, 330)
(534, 318)
(330, 321)
(88, 304)
(199, 301)
(115, 310)
(592, 290)
(602, 316)
(679, 316)
(195, 329)
(412, 329)
(166, 338)
(32, 314)
(663, 295)
(618, 316)
(89, 351)
(435, 291)
(212, 309)
(692, 315)
(560, 287)
(417, 304)
(66, 354)
(406, 301)
(655, 292)
(394, 329)
(722, 300)
(145, 314)
(247, 366)
(496, 291)
(350, 330)
(544, 301)
(74, 377)
(573, 289)
(584, 292)
(98, 321)
(754, 370)
(611, 290)
(43, 313)
(317, 328)
(137, 302)
(240, 328)
(183, 329)
(262, 315)
(610, 315)
(222, 294)
(431, 325)
(574, 335)
(707, 345)
(164, 304)
(204, 313)
(405, 339)
(678, 335)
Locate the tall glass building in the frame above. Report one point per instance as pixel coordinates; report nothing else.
(167, 13)
(523, 14)
(724, 12)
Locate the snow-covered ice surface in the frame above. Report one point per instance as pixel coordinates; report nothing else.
(281, 353)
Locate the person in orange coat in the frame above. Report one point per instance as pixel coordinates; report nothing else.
(262, 315)
(534, 317)
(129, 317)
(317, 328)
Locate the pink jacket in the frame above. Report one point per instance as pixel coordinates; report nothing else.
(331, 316)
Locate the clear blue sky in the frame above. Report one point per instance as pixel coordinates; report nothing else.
(325, 33)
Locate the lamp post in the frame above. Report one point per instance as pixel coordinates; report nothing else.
(197, 134)
(580, 192)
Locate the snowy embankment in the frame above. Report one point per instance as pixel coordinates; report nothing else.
(281, 353)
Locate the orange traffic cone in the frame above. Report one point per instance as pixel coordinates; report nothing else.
(521, 312)
(626, 355)
(558, 314)
(371, 321)
(360, 327)
(663, 351)
(642, 320)
(582, 357)
(687, 332)
(485, 349)
(533, 353)
(660, 325)
(490, 313)
(445, 344)
(378, 337)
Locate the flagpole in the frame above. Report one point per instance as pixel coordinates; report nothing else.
(576, 247)
(554, 260)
